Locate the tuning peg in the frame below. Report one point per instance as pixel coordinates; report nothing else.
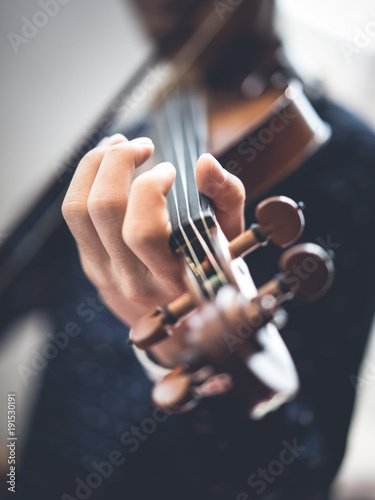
(307, 271)
(174, 391)
(152, 327)
(280, 220)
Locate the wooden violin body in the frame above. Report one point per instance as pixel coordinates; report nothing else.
(262, 141)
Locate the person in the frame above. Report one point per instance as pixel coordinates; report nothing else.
(122, 228)
(95, 430)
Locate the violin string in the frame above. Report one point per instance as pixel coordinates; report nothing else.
(200, 127)
(175, 126)
(171, 196)
(195, 147)
(189, 170)
(178, 201)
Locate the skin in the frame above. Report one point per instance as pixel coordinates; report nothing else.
(122, 229)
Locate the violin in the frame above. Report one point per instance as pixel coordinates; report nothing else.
(223, 328)
(261, 127)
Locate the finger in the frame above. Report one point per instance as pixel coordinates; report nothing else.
(111, 141)
(108, 197)
(226, 192)
(75, 209)
(147, 228)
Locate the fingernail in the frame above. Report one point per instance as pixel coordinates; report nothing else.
(111, 141)
(143, 140)
(103, 142)
(164, 167)
(217, 172)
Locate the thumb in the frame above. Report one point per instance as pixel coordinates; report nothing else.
(226, 192)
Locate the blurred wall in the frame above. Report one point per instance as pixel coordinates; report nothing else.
(60, 67)
(332, 43)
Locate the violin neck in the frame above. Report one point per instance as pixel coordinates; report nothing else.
(181, 123)
(181, 137)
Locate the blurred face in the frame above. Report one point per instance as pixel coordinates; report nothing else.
(246, 31)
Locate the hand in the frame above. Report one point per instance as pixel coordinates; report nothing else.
(121, 225)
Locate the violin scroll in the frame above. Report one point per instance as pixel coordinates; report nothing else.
(279, 220)
(308, 271)
(230, 341)
(220, 346)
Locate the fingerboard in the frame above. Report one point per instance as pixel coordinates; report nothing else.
(180, 127)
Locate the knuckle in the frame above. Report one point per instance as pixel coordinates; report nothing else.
(73, 210)
(135, 295)
(140, 295)
(139, 237)
(103, 206)
(121, 151)
(152, 295)
(94, 155)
